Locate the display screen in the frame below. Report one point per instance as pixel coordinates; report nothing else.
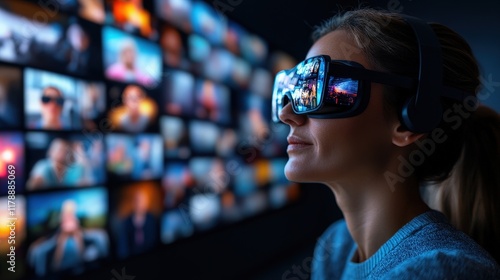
(33, 40)
(131, 59)
(62, 160)
(10, 97)
(135, 221)
(66, 230)
(128, 125)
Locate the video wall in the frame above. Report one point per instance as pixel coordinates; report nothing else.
(127, 125)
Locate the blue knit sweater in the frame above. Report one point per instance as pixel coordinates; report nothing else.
(428, 247)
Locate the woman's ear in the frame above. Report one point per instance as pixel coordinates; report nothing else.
(402, 137)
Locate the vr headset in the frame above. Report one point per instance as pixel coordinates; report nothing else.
(323, 88)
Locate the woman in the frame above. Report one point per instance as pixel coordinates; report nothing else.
(133, 120)
(58, 169)
(374, 154)
(51, 103)
(69, 248)
(126, 69)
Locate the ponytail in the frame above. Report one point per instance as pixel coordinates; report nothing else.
(470, 196)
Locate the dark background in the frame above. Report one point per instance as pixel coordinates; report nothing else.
(288, 25)
(280, 245)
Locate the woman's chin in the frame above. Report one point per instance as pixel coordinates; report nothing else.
(297, 174)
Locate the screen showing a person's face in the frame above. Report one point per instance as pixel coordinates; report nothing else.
(128, 56)
(132, 98)
(52, 103)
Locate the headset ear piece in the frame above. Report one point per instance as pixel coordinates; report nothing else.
(422, 120)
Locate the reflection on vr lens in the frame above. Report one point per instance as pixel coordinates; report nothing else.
(304, 95)
(301, 83)
(342, 92)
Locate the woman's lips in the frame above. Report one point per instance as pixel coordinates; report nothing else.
(296, 143)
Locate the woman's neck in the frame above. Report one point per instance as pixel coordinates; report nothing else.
(376, 213)
(53, 123)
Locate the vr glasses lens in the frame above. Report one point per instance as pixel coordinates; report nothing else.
(342, 94)
(310, 90)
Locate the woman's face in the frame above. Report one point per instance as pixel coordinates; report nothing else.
(128, 57)
(132, 99)
(60, 151)
(334, 151)
(51, 110)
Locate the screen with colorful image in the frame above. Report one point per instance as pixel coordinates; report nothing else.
(254, 119)
(261, 82)
(51, 101)
(66, 231)
(253, 49)
(282, 194)
(175, 137)
(13, 236)
(226, 143)
(148, 160)
(212, 102)
(241, 74)
(132, 17)
(31, 40)
(131, 59)
(175, 224)
(231, 208)
(92, 103)
(208, 22)
(178, 93)
(233, 37)
(173, 44)
(136, 157)
(207, 131)
(59, 160)
(10, 97)
(199, 50)
(92, 10)
(58, 102)
(209, 174)
(204, 210)
(12, 168)
(219, 59)
(254, 203)
(135, 218)
(132, 108)
(177, 179)
(245, 182)
(120, 156)
(275, 145)
(177, 12)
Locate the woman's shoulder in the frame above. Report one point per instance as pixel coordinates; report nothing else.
(41, 166)
(333, 248)
(437, 251)
(446, 264)
(440, 235)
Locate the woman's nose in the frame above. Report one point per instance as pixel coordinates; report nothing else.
(288, 116)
